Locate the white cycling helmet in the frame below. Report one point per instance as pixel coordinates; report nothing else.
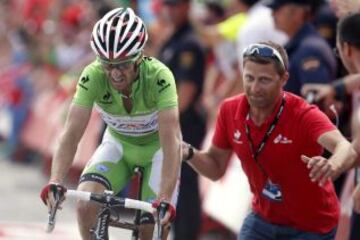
(118, 34)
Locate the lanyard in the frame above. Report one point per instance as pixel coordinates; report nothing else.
(255, 153)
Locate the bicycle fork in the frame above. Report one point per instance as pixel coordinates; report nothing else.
(139, 173)
(101, 232)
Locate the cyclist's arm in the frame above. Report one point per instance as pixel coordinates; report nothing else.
(76, 122)
(170, 140)
(211, 163)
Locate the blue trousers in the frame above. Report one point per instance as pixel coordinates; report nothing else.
(256, 228)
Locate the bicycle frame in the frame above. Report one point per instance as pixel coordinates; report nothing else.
(104, 220)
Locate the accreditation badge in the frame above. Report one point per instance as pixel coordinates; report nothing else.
(272, 191)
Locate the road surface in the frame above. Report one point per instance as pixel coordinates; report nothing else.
(22, 214)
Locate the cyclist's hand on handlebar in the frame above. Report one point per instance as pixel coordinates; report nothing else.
(51, 193)
(166, 212)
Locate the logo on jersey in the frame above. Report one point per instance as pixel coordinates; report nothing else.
(83, 81)
(102, 168)
(237, 136)
(131, 125)
(163, 84)
(106, 99)
(147, 58)
(282, 140)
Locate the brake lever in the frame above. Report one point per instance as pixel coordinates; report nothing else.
(52, 217)
(161, 214)
(52, 213)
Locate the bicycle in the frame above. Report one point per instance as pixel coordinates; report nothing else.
(108, 215)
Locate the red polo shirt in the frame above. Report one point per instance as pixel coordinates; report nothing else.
(305, 205)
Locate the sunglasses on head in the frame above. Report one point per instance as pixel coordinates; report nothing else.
(264, 51)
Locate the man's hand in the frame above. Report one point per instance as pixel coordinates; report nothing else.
(356, 199)
(321, 169)
(322, 91)
(51, 193)
(166, 211)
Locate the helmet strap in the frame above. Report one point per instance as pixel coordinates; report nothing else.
(137, 63)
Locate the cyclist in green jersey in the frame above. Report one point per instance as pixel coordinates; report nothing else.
(136, 97)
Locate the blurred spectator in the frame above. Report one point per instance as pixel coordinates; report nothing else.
(15, 85)
(258, 27)
(311, 59)
(348, 44)
(184, 56)
(212, 34)
(343, 7)
(221, 36)
(215, 75)
(325, 21)
(337, 93)
(348, 47)
(16, 98)
(145, 11)
(35, 13)
(38, 38)
(160, 24)
(219, 33)
(69, 46)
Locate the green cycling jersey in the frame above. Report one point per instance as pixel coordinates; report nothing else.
(153, 90)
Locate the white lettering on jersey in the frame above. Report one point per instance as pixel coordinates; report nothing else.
(131, 125)
(282, 139)
(237, 136)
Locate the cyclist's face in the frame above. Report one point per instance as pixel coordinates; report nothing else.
(121, 75)
(262, 83)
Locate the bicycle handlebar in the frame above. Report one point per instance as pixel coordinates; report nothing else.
(111, 200)
(105, 198)
(136, 204)
(78, 195)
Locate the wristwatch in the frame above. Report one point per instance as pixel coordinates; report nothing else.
(190, 154)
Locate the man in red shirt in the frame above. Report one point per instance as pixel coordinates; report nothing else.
(269, 130)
